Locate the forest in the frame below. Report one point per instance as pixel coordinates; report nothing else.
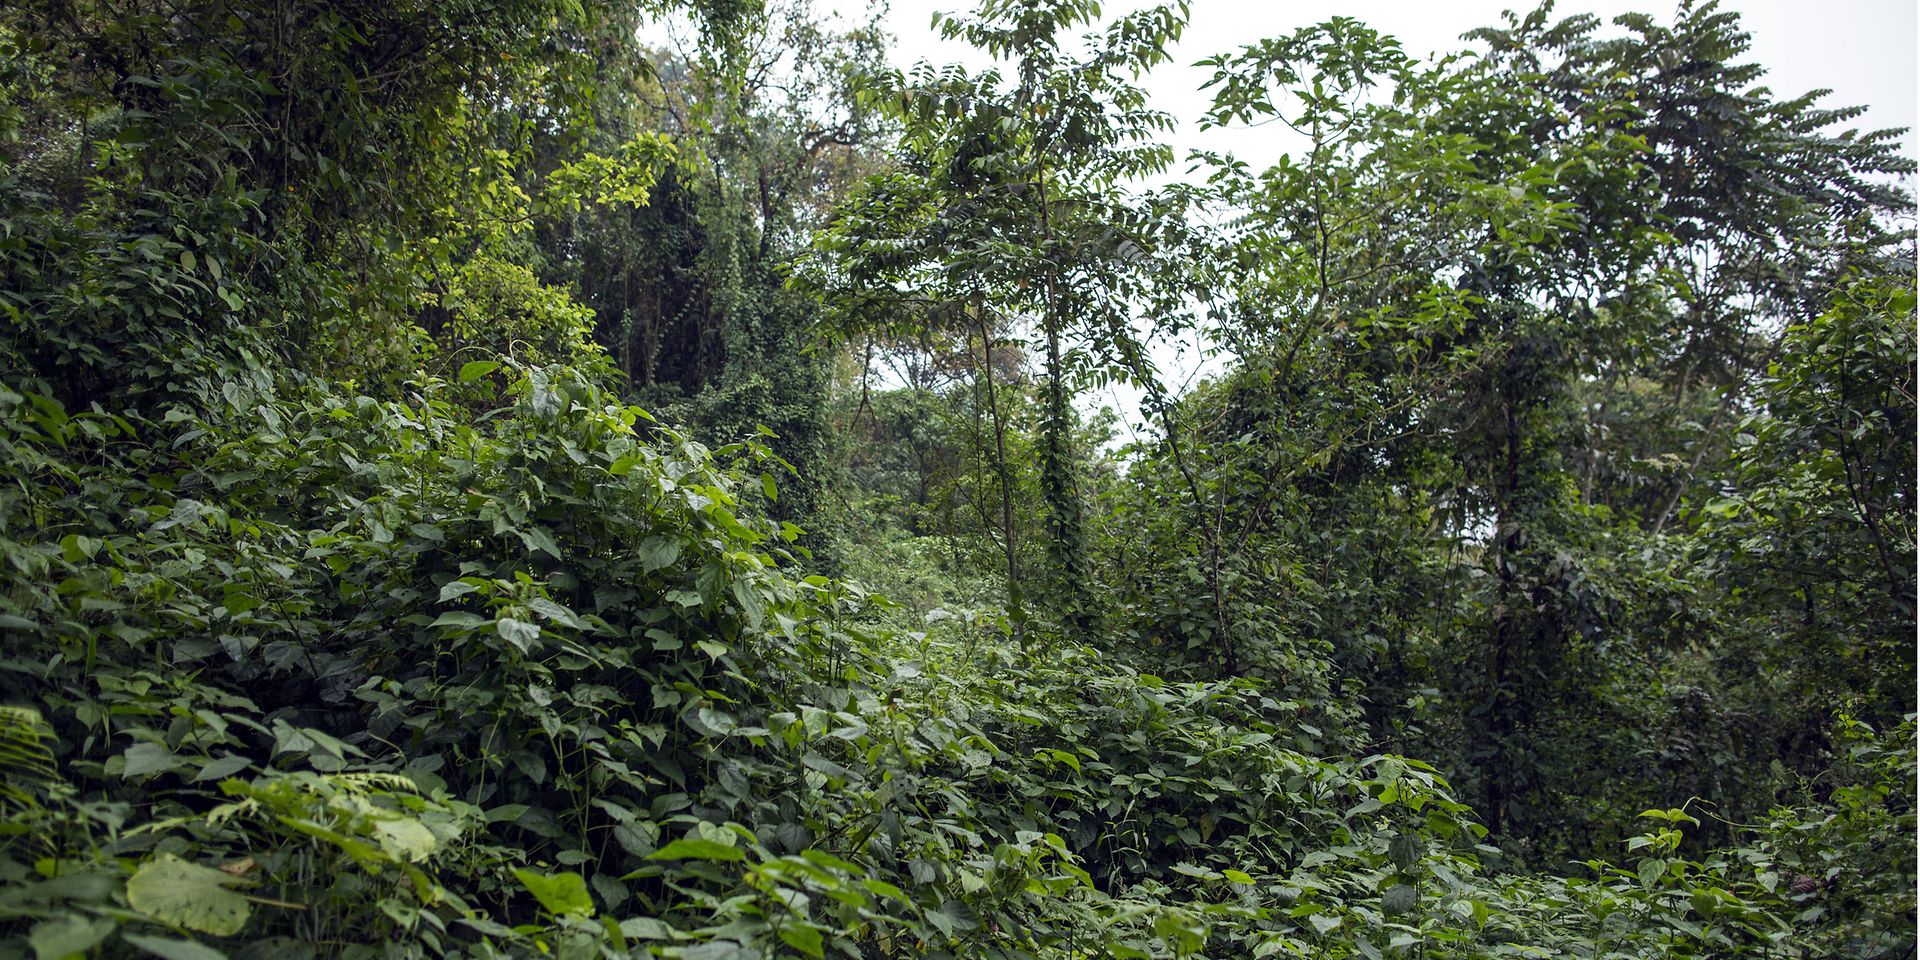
(642, 478)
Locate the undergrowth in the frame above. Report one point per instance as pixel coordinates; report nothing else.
(506, 667)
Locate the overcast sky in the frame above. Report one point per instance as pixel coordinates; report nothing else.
(1864, 50)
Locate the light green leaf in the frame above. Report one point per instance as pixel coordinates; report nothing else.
(68, 936)
(563, 894)
(224, 767)
(750, 602)
(474, 370)
(405, 839)
(658, 552)
(646, 928)
(171, 949)
(884, 889)
(144, 759)
(807, 940)
(721, 950)
(456, 588)
(556, 613)
(517, 632)
(714, 723)
(697, 848)
(537, 538)
(174, 891)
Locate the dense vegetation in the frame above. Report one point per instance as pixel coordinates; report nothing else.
(478, 484)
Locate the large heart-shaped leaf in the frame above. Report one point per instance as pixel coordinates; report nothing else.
(1399, 899)
(174, 891)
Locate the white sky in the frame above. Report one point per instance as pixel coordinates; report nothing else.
(1864, 50)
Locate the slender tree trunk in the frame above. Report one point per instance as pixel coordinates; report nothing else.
(1059, 484)
(1016, 609)
(1498, 723)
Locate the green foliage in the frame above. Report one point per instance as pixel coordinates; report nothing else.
(1826, 469)
(954, 804)
(1496, 331)
(176, 892)
(352, 608)
(1005, 209)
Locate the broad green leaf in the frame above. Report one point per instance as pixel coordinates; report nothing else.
(537, 538)
(1405, 850)
(563, 894)
(884, 889)
(145, 759)
(475, 369)
(508, 813)
(68, 936)
(518, 632)
(556, 613)
(224, 767)
(697, 848)
(716, 723)
(174, 891)
(750, 602)
(646, 928)
(807, 940)
(168, 948)
(721, 950)
(457, 588)
(1399, 899)
(404, 838)
(658, 552)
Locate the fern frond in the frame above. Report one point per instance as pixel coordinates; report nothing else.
(26, 760)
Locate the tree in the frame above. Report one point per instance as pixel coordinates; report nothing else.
(1005, 206)
(1491, 323)
(685, 279)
